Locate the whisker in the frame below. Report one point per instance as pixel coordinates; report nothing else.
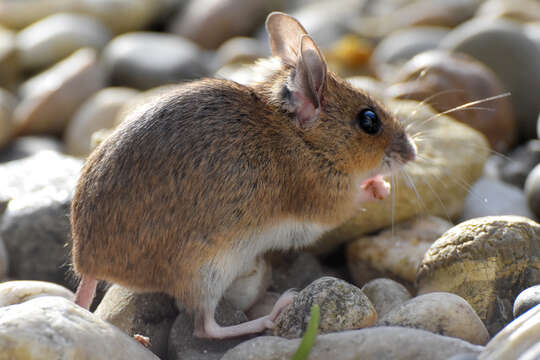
(431, 97)
(410, 181)
(465, 106)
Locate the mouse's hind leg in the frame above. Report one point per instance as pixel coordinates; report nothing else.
(207, 327)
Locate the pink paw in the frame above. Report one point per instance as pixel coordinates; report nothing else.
(374, 188)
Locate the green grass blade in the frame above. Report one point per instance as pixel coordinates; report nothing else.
(311, 334)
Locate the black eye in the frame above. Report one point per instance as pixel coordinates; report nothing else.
(368, 121)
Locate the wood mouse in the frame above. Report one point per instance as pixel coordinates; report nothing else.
(193, 186)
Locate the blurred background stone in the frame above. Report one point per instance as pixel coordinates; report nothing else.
(9, 59)
(7, 107)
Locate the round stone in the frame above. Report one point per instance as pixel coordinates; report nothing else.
(144, 60)
(9, 59)
(57, 36)
(7, 106)
(401, 45)
(487, 261)
(16, 292)
(449, 82)
(96, 113)
(385, 294)
(532, 190)
(441, 313)
(342, 307)
(50, 98)
(496, 44)
(527, 299)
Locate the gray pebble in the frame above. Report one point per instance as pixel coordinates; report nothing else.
(526, 300)
(532, 190)
(385, 294)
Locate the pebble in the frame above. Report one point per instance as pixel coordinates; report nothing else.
(451, 154)
(25, 146)
(515, 166)
(52, 327)
(385, 342)
(401, 45)
(518, 340)
(50, 98)
(342, 307)
(441, 313)
(294, 271)
(17, 14)
(96, 113)
(148, 314)
(239, 50)
(251, 286)
(385, 294)
(7, 106)
(532, 190)
(518, 10)
(212, 22)
(396, 251)
(9, 61)
(491, 42)
(57, 36)
(144, 60)
(35, 227)
(487, 261)
(183, 345)
(19, 291)
(527, 299)
(489, 197)
(373, 87)
(447, 81)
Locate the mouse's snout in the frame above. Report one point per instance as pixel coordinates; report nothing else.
(401, 150)
(409, 150)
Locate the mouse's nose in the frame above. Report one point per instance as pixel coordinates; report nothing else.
(409, 151)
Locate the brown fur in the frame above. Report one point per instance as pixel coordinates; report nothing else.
(178, 184)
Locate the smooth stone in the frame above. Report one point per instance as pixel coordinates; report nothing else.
(518, 10)
(527, 299)
(532, 30)
(183, 345)
(403, 44)
(16, 14)
(385, 294)
(441, 313)
(122, 16)
(4, 257)
(239, 50)
(144, 60)
(50, 98)
(96, 113)
(35, 227)
(464, 356)
(294, 271)
(489, 197)
(394, 252)
(491, 42)
(19, 291)
(515, 166)
(518, 340)
(26, 146)
(53, 327)
(532, 190)
(251, 286)
(212, 22)
(57, 36)
(385, 343)
(7, 106)
(447, 81)
(342, 307)
(450, 154)
(487, 261)
(9, 60)
(149, 314)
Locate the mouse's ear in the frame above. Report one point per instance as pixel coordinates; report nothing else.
(307, 83)
(285, 34)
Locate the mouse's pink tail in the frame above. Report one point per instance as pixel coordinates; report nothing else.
(86, 291)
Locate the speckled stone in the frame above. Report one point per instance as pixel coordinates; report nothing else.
(342, 306)
(527, 299)
(487, 261)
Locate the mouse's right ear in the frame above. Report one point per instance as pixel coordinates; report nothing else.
(285, 36)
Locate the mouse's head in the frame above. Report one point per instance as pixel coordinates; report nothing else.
(342, 123)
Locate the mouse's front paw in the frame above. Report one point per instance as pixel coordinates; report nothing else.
(374, 188)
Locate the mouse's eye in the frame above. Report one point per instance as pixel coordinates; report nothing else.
(368, 121)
